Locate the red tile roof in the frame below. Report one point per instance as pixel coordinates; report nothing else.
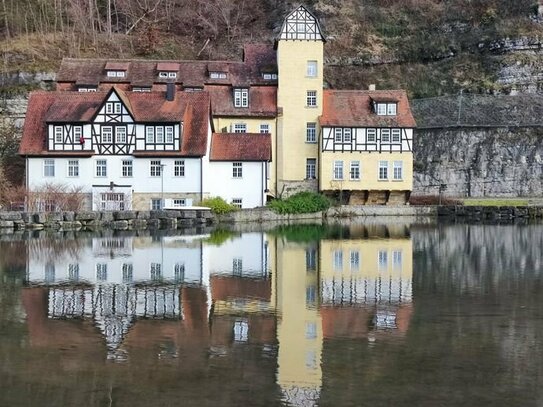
(193, 109)
(262, 101)
(354, 108)
(117, 66)
(167, 66)
(241, 147)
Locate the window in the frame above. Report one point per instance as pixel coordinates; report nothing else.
(241, 97)
(156, 168)
(237, 266)
(391, 109)
(347, 135)
(112, 201)
(396, 135)
(237, 170)
(59, 133)
(156, 271)
(128, 272)
(49, 168)
(150, 135)
(107, 134)
(371, 135)
(86, 89)
(179, 202)
(269, 76)
(383, 259)
(101, 272)
(179, 168)
(73, 168)
(156, 204)
(115, 74)
(311, 295)
(127, 168)
(113, 107)
(311, 132)
(237, 202)
(217, 75)
(397, 259)
(385, 135)
(383, 170)
(241, 331)
(73, 272)
(141, 89)
(311, 98)
(120, 134)
(159, 135)
(264, 128)
(355, 260)
(179, 272)
(49, 273)
(311, 259)
(381, 109)
(117, 108)
(338, 135)
(338, 169)
(78, 133)
(398, 170)
(167, 75)
(355, 170)
(240, 128)
(311, 168)
(310, 330)
(311, 69)
(338, 260)
(101, 168)
(169, 134)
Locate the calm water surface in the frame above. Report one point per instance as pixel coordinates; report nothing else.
(359, 315)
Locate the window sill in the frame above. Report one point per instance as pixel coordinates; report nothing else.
(310, 142)
(311, 107)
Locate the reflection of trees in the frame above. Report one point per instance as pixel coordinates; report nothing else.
(55, 248)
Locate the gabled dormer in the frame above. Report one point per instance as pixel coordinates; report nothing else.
(383, 106)
(115, 109)
(301, 24)
(167, 70)
(116, 69)
(217, 70)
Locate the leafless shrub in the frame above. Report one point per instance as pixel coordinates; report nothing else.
(55, 197)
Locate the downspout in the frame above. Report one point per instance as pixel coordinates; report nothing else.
(201, 179)
(27, 184)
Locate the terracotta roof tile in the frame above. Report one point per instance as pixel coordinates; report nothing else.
(193, 109)
(167, 66)
(262, 101)
(354, 108)
(117, 66)
(240, 147)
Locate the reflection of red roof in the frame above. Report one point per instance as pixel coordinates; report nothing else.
(240, 147)
(191, 108)
(354, 108)
(223, 288)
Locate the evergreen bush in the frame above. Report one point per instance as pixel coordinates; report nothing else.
(302, 202)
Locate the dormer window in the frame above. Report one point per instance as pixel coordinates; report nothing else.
(386, 109)
(116, 74)
(170, 75)
(141, 89)
(86, 89)
(241, 97)
(217, 75)
(269, 76)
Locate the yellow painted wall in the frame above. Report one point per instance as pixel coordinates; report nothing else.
(253, 126)
(292, 57)
(369, 171)
(299, 355)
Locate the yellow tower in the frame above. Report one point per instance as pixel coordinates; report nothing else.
(299, 100)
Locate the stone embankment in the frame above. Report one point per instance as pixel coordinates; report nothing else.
(121, 220)
(492, 213)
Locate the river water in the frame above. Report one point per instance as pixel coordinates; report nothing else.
(358, 314)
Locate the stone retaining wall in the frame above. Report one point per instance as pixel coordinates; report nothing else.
(491, 212)
(121, 220)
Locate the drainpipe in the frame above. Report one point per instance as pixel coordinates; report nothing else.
(201, 179)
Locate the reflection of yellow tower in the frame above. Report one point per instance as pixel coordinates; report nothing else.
(299, 330)
(299, 100)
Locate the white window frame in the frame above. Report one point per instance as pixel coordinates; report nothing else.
(78, 133)
(354, 260)
(59, 134)
(311, 69)
(179, 168)
(383, 171)
(100, 168)
(163, 74)
(179, 202)
(155, 168)
(382, 259)
(385, 136)
(240, 127)
(168, 134)
(156, 204)
(371, 135)
(311, 168)
(128, 272)
(237, 266)
(117, 108)
(120, 134)
(107, 134)
(338, 135)
(159, 135)
(48, 167)
(241, 97)
(127, 168)
(109, 107)
(155, 271)
(338, 260)
(217, 75)
(397, 259)
(347, 135)
(311, 132)
(73, 168)
(150, 134)
(381, 109)
(396, 136)
(237, 170)
(141, 89)
(264, 128)
(338, 170)
(392, 109)
(237, 202)
(311, 98)
(101, 271)
(354, 171)
(397, 171)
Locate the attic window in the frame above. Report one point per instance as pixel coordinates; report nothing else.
(141, 89)
(217, 75)
(241, 97)
(116, 74)
(269, 76)
(86, 89)
(192, 89)
(386, 109)
(165, 74)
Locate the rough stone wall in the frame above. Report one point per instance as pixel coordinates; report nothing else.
(289, 188)
(477, 162)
